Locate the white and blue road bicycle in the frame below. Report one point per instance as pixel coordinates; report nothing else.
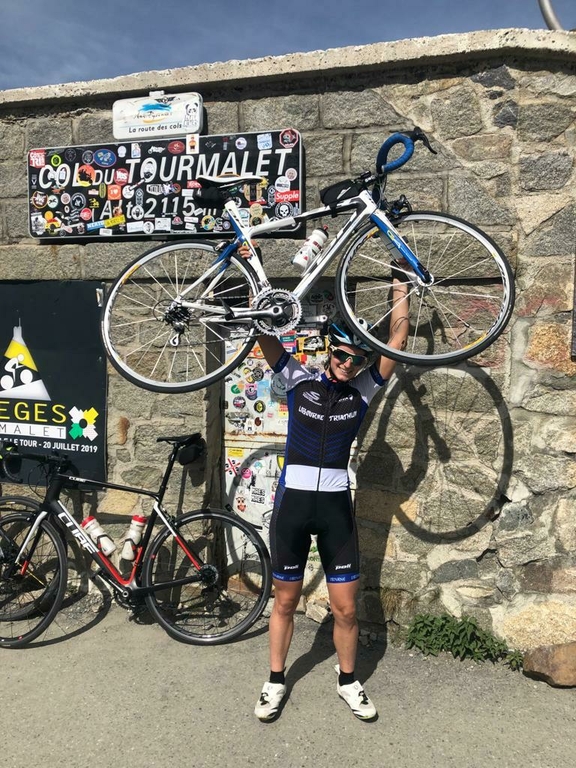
(184, 314)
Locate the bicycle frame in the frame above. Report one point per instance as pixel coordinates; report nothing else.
(364, 210)
(127, 586)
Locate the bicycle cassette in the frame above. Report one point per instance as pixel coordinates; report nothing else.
(284, 321)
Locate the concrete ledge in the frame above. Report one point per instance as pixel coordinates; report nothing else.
(392, 55)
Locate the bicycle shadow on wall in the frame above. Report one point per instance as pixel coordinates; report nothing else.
(436, 472)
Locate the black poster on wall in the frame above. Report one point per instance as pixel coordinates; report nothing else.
(145, 188)
(53, 372)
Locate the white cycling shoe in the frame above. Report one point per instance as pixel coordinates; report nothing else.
(356, 698)
(269, 702)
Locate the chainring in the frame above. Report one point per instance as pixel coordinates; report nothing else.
(287, 321)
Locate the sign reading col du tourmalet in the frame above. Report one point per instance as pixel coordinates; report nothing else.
(157, 115)
(142, 188)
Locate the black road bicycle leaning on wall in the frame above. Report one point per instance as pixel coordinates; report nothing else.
(184, 314)
(205, 575)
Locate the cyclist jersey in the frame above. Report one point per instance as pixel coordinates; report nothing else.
(323, 419)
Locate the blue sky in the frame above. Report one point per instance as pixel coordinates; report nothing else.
(68, 40)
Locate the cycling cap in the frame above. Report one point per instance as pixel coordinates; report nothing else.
(341, 334)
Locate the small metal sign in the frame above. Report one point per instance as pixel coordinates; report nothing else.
(157, 115)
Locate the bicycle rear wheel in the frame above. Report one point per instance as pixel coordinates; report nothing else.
(32, 591)
(164, 342)
(460, 314)
(228, 593)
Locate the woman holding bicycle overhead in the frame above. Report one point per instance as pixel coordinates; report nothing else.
(313, 497)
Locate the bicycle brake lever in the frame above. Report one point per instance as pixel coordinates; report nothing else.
(418, 135)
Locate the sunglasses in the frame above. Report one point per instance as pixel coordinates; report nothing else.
(343, 357)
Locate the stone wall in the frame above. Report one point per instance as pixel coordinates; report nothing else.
(467, 475)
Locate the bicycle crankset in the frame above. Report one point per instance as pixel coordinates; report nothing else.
(288, 311)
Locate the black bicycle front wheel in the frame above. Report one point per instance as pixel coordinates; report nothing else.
(32, 591)
(164, 325)
(221, 599)
(459, 314)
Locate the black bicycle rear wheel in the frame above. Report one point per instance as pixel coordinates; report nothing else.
(31, 592)
(229, 592)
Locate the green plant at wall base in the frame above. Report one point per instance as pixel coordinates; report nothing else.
(463, 638)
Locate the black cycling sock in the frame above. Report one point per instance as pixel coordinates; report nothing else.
(277, 677)
(346, 678)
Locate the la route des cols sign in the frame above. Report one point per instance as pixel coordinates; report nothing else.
(146, 188)
(157, 115)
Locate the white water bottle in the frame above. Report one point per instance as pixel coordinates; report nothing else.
(133, 537)
(311, 248)
(98, 535)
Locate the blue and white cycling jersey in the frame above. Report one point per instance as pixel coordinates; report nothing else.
(323, 419)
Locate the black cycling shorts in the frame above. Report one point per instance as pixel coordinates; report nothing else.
(329, 515)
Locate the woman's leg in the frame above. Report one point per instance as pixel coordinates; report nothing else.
(343, 606)
(286, 597)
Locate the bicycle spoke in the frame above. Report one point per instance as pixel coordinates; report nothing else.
(154, 290)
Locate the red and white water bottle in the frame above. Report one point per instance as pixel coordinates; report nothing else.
(133, 537)
(98, 535)
(311, 248)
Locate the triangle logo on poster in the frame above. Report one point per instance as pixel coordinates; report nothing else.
(19, 376)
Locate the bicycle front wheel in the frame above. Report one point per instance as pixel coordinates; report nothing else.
(225, 595)
(163, 324)
(32, 591)
(462, 312)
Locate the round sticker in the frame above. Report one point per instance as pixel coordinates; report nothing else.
(55, 160)
(85, 175)
(122, 151)
(291, 174)
(208, 223)
(235, 389)
(78, 201)
(247, 473)
(70, 154)
(176, 147)
(258, 374)
(282, 184)
(259, 406)
(137, 212)
(65, 198)
(239, 402)
(148, 228)
(86, 214)
(39, 199)
(87, 156)
(127, 192)
(256, 209)
(53, 201)
(241, 143)
(251, 391)
(284, 210)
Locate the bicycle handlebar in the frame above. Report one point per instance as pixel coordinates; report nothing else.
(408, 139)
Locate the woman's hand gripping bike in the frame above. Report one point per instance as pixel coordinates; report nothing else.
(184, 314)
(205, 576)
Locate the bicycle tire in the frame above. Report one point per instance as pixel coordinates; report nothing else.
(235, 586)
(142, 316)
(462, 313)
(29, 602)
